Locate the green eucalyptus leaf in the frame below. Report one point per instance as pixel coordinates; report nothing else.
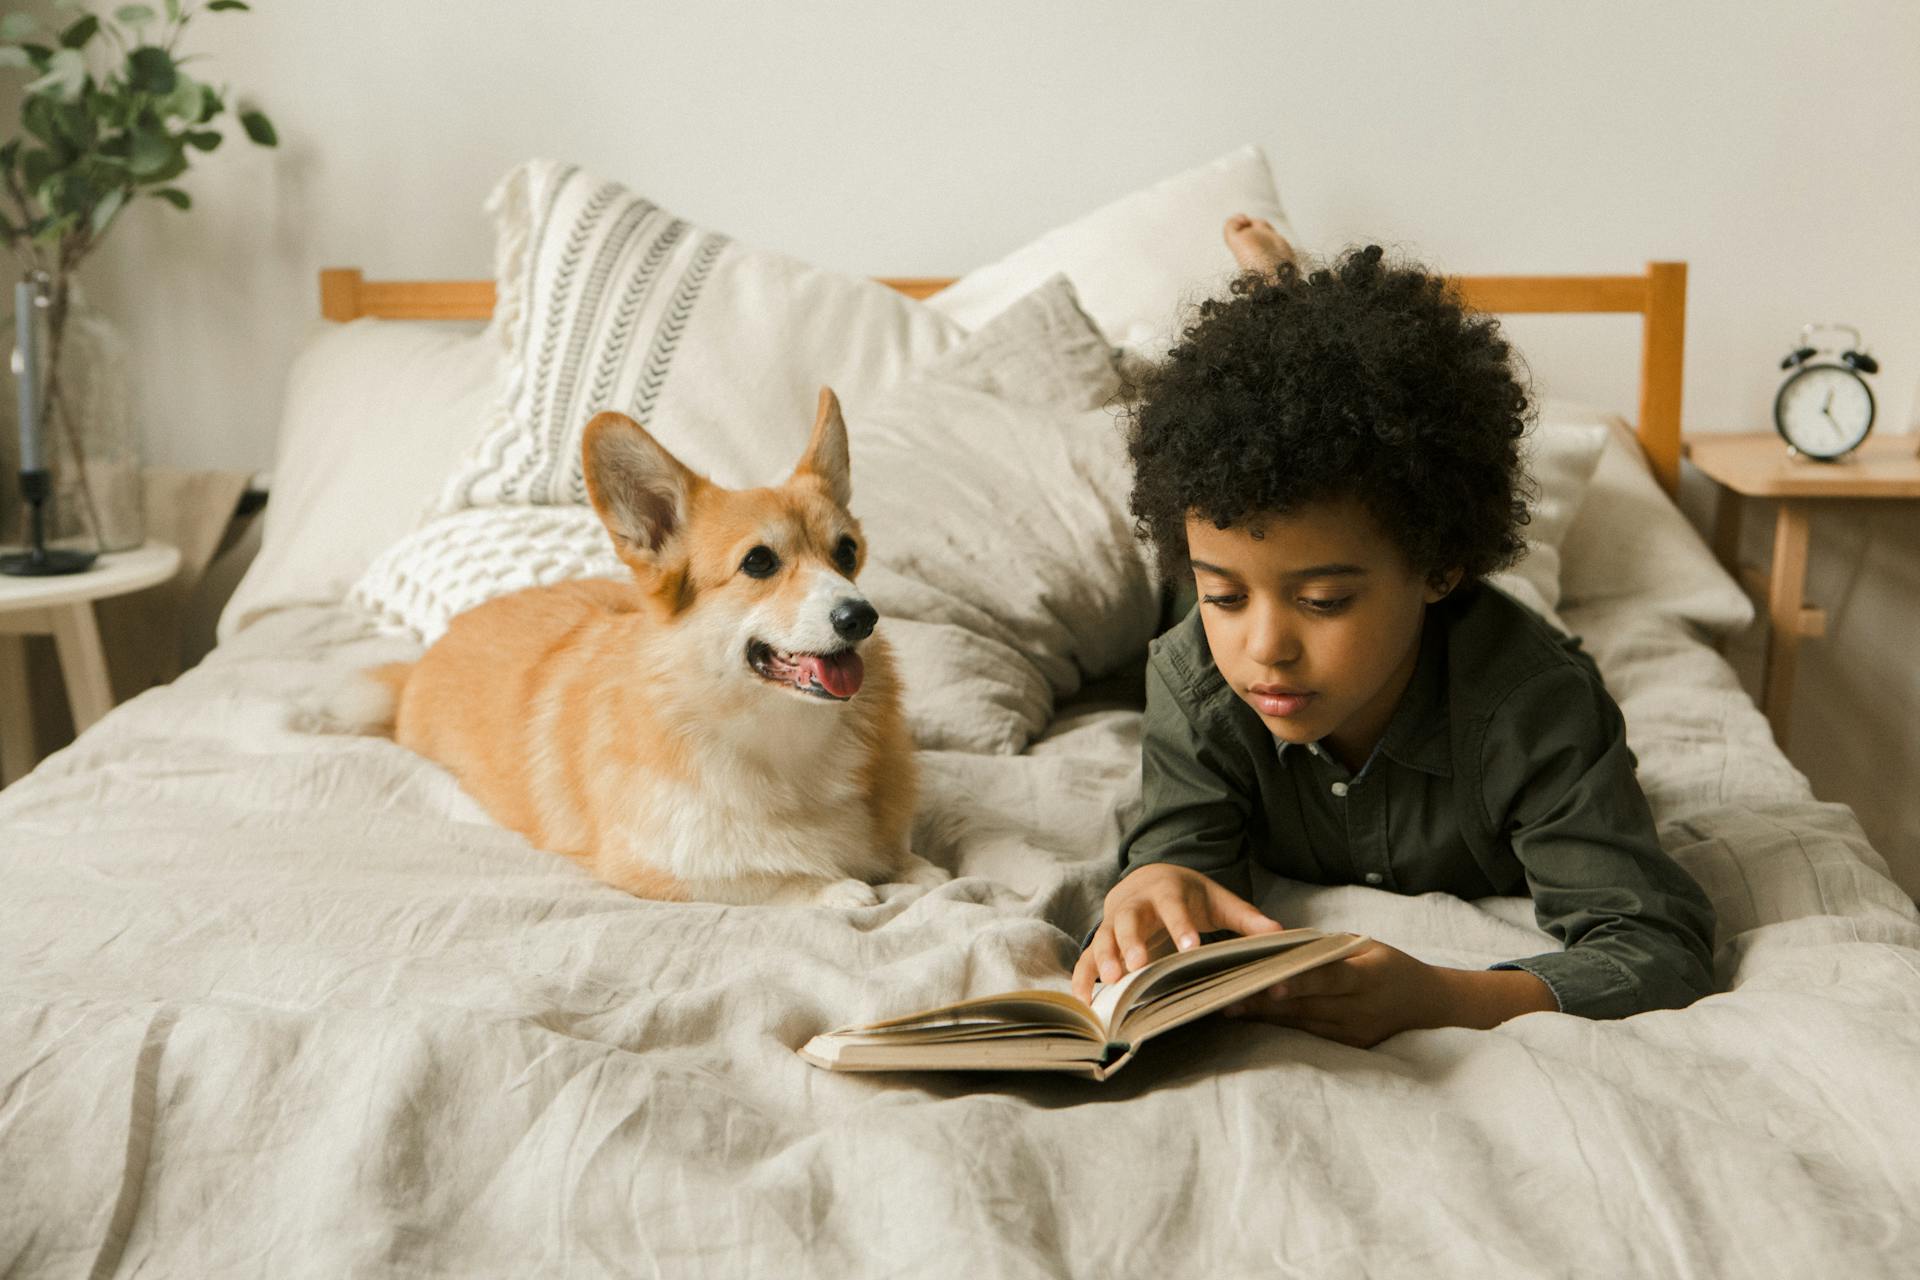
(38, 54)
(75, 125)
(36, 117)
(202, 139)
(48, 230)
(150, 70)
(133, 15)
(151, 152)
(219, 5)
(173, 10)
(108, 206)
(35, 165)
(259, 128)
(66, 73)
(167, 172)
(80, 32)
(14, 56)
(175, 197)
(187, 101)
(17, 26)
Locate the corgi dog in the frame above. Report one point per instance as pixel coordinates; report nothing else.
(726, 727)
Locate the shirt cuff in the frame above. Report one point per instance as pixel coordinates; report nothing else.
(1588, 983)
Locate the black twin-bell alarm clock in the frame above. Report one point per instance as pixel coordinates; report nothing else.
(1825, 408)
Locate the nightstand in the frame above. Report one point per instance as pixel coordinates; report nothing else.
(1759, 466)
(62, 607)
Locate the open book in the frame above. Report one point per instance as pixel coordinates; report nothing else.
(1055, 1031)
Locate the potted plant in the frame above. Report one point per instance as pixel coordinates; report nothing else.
(110, 113)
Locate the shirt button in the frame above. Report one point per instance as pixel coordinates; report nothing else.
(1374, 877)
(1340, 788)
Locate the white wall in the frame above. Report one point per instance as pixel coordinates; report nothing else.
(1774, 147)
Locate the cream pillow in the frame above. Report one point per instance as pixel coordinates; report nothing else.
(1629, 542)
(1560, 453)
(1136, 261)
(607, 301)
(376, 412)
(993, 491)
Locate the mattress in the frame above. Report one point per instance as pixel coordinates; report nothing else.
(282, 1002)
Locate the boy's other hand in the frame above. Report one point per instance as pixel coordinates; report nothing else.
(1382, 991)
(1153, 905)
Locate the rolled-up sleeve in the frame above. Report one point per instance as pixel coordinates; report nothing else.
(1558, 777)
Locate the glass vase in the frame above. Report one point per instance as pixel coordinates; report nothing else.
(87, 433)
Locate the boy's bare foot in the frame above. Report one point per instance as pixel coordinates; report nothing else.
(1256, 246)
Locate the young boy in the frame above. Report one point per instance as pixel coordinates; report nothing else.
(1334, 456)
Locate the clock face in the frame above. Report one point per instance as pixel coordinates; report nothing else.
(1824, 410)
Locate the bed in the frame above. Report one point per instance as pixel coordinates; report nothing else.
(282, 1002)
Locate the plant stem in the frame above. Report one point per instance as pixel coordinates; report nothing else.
(56, 409)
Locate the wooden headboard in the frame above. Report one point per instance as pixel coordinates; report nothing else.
(1658, 295)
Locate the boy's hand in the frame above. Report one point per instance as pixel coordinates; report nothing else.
(1381, 991)
(1152, 905)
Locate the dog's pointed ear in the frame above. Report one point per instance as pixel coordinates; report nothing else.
(639, 490)
(826, 455)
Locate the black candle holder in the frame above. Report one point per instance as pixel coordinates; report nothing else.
(37, 561)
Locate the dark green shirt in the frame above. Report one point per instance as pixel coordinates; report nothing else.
(1503, 770)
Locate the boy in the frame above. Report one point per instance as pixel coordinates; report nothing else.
(1334, 456)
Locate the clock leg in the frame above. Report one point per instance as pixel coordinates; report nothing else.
(1786, 598)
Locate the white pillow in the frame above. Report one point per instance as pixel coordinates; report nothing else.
(1137, 261)
(376, 412)
(607, 301)
(1629, 542)
(1560, 453)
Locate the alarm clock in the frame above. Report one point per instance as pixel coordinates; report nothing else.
(1825, 408)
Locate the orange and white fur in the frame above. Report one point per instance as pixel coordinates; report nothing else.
(725, 727)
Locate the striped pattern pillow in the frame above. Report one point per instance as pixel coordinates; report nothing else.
(608, 301)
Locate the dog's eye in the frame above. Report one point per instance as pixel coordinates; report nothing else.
(760, 563)
(846, 555)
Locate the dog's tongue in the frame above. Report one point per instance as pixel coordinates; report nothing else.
(838, 673)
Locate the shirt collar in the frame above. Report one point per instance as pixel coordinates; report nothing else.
(1417, 734)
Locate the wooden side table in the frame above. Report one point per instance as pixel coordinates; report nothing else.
(62, 607)
(1759, 466)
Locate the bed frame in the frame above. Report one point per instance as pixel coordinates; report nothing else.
(1658, 295)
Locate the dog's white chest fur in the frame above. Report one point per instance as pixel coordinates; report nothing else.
(774, 798)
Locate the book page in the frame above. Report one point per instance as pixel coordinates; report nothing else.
(1056, 1009)
(1111, 1003)
(1184, 995)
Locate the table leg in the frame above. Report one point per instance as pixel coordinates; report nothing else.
(16, 712)
(1786, 596)
(83, 664)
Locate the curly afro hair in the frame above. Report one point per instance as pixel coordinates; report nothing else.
(1366, 379)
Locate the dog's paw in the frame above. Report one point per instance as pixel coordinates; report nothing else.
(846, 893)
(917, 870)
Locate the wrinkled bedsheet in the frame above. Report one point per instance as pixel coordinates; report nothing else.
(275, 1002)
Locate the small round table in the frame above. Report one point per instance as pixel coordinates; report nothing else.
(62, 607)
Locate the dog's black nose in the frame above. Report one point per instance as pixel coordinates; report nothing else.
(853, 619)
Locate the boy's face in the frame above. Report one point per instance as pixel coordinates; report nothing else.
(1314, 619)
